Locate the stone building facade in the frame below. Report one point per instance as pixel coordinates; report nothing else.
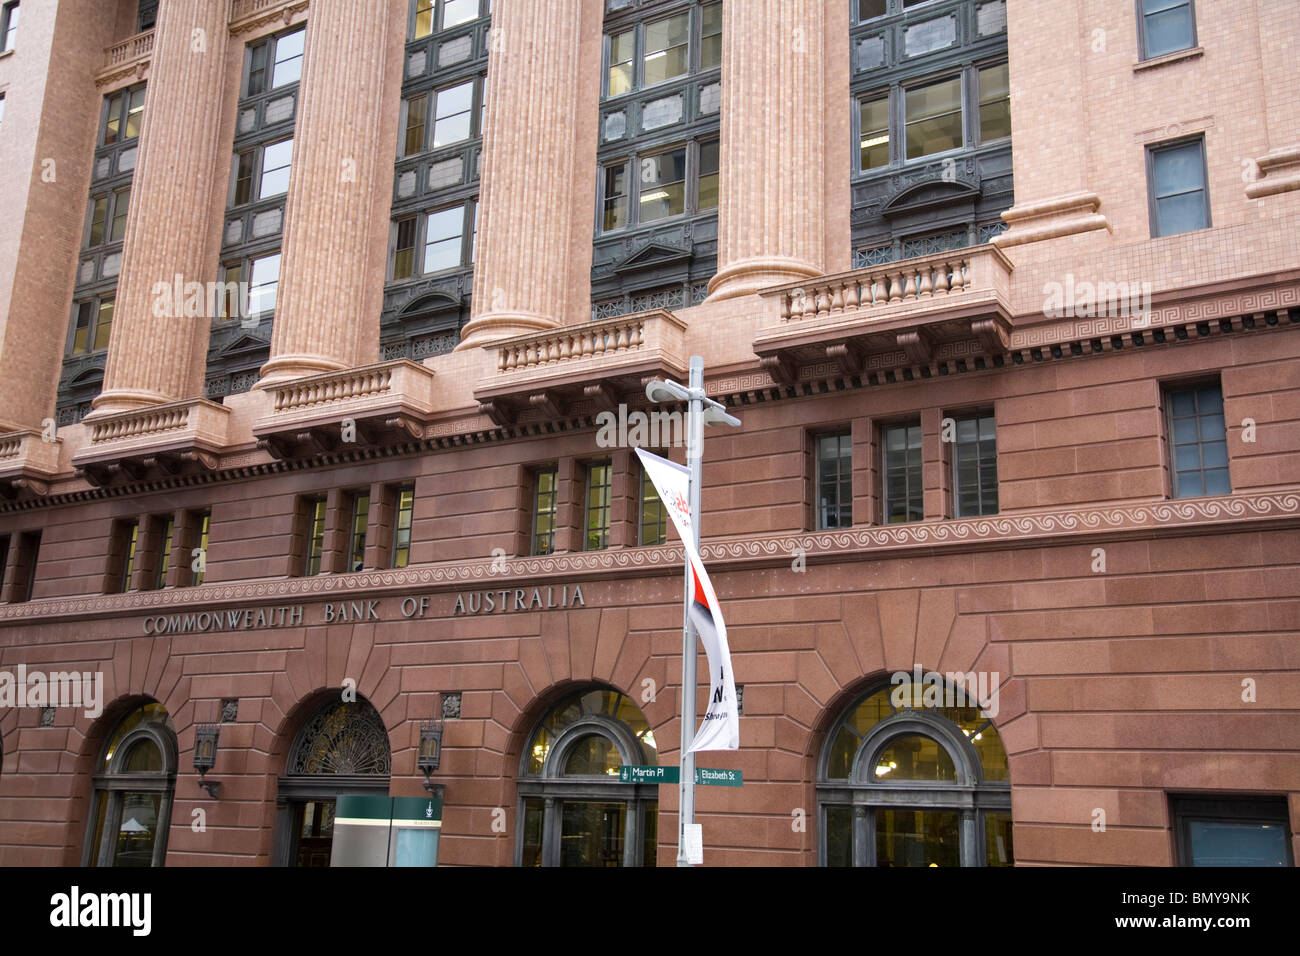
(305, 354)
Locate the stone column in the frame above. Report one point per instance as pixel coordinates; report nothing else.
(772, 190)
(152, 358)
(326, 317)
(527, 173)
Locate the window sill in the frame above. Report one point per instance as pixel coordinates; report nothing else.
(5, 53)
(1175, 57)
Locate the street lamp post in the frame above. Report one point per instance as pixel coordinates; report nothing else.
(702, 411)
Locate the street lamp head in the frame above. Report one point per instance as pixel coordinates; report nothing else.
(663, 392)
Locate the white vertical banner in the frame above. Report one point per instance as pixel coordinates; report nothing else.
(721, 727)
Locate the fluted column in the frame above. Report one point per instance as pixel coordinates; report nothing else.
(324, 316)
(527, 174)
(771, 182)
(155, 357)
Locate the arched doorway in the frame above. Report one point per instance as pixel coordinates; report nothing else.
(342, 748)
(575, 812)
(905, 780)
(134, 780)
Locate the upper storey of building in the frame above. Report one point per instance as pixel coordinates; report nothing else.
(246, 222)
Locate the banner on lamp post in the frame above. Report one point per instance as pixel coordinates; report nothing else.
(720, 729)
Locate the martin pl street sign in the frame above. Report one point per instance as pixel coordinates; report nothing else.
(634, 774)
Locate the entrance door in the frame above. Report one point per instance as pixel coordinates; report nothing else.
(314, 832)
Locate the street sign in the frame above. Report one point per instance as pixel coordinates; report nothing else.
(628, 773)
(704, 776)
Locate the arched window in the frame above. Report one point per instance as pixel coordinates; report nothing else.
(574, 808)
(133, 785)
(342, 749)
(911, 776)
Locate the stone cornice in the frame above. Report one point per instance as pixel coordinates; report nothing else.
(249, 16)
(995, 532)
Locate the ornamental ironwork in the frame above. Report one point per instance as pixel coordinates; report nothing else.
(342, 738)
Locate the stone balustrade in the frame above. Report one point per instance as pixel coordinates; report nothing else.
(157, 439)
(608, 337)
(137, 47)
(27, 460)
(908, 282)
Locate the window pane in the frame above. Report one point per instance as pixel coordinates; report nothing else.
(98, 215)
(1224, 843)
(663, 185)
(315, 535)
(257, 69)
(134, 114)
(708, 186)
(264, 284)
(164, 555)
(80, 335)
(533, 815)
(404, 254)
(544, 513)
(916, 838)
(402, 530)
(104, 324)
(868, 9)
(653, 515)
(995, 103)
(416, 110)
(598, 489)
(591, 834)
(454, 109)
(288, 59)
(121, 206)
(113, 121)
(204, 520)
(244, 177)
(914, 758)
(1199, 447)
(666, 49)
(443, 238)
(615, 198)
(423, 19)
(834, 481)
(360, 517)
(875, 133)
(1177, 214)
(593, 755)
(839, 836)
(621, 51)
(934, 118)
(1167, 30)
(1178, 169)
(458, 11)
(275, 169)
(138, 829)
(901, 480)
(711, 36)
(997, 839)
(975, 467)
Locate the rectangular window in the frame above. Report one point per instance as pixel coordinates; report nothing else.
(1166, 26)
(8, 25)
(287, 67)
(257, 68)
(276, 158)
(264, 284)
(146, 15)
(654, 518)
(357, 535)
(232, 305)
(995, 102)
(423, 25)
(123, 108)
(934, 123)
(1176, 181)
(710, 36)
(901, 473)
(453, 110)
(29, 552)
(315, 543)
(1198, 441)
(615, 213)
(444, 230)
(598, 489)
(98, 219)
(975, 466)
(402, 526)
(94, 326)
(417, 109)
(663, 185)
(164, 554)
(622, 52)
(134, 113)
(1231, 831)
(244, 167)
(870, 9)
(834, 480)
(544, 495)
(456, 12)
(666, 48)
(130, 541)
(404, 252)
(121, 205)
(874, 126)
(199, 562)
(708, 181)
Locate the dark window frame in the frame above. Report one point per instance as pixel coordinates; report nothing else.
(605, 508)
(978, 415)
(843, 433)
(1167, 392)
(127, 94)
(883, 430)
(1142, 16)
(648, 500)
(1265, 810)
(695, 46)
(357, 539)
(1153, 213)
(475, 82)
(8, 26)
(535, 508)
(112, 199)
(269, 44)
(96, 303)
(315, 518)
(397, 547)
(632, 196)
(468, 237)
(258, 154)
